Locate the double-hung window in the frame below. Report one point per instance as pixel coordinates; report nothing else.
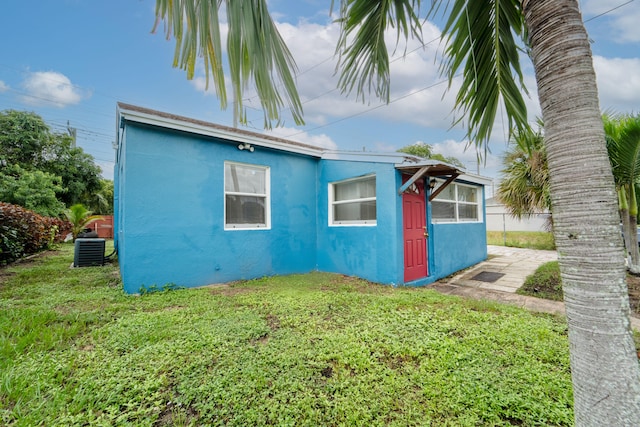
(353, 202)
(246, 196)
(457, 203)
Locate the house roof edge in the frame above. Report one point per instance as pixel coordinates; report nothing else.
(148, 116)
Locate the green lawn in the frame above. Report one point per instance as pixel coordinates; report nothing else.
(522, 239)
(317, 349)
(545, 282)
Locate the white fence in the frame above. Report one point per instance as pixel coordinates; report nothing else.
(502, 221)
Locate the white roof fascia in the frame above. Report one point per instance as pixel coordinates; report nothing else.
(366, 156)
(426, 162)
(476, 179)
(185, 126)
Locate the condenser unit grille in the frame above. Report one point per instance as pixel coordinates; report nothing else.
(89, 252)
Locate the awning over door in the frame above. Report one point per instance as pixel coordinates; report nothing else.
(430, 168)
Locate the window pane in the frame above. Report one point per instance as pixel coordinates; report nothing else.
(467, 194)
(358, 211)
(245, 210)
(244, 179)
(355, 189)
(448, 193)
(468, 212)
(443, 210)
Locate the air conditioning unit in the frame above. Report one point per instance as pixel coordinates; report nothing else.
(89, 252)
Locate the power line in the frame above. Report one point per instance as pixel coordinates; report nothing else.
(403, 56)
(608, 11)
(370, 109)
(412, 93)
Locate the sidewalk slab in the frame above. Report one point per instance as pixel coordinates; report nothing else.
(516, 264)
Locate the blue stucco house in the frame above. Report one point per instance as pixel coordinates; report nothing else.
(198, 204)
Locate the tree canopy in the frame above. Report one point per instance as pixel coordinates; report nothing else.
(421, 149)
(34, 158)
(524, 188)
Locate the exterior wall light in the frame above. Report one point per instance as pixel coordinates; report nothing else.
(432, 184)
(246, 146)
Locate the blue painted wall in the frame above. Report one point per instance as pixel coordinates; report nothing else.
(370, 252)
(171, 212)
(455, 246)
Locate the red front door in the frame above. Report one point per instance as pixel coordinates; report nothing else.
(415, 239)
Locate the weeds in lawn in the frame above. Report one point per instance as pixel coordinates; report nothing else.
(316, 349)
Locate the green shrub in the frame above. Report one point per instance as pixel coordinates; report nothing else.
(24, 232)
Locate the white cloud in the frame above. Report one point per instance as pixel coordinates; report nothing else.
(467, 155)
(51, 88)
(3, 86)
(624, 28)
(292, 134)
(416, 85)
(618, 83)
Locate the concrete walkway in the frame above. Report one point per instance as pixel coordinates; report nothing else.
(514, 264)
(500, 276)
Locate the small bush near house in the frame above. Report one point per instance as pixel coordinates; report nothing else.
(23, 232)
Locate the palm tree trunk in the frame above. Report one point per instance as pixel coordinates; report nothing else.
(634, 263)
(604, 364)
(634, 254)
(626, 233)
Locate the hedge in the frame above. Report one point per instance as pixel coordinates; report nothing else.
(24, 232)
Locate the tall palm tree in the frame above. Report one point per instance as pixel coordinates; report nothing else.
(481, 40)
(623, 143)
(524, 188)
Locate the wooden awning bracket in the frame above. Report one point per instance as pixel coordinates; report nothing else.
(444, 185)
(416, 176)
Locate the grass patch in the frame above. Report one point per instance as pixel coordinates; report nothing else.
(545, 282)
(316, 349)
(522, 239)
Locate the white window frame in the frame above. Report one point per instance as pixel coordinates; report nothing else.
(266, 196)
(332, 203)
(457, 203)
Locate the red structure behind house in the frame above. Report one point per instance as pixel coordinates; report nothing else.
(103, 227)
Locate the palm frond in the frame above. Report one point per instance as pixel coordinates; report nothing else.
(524, 188)
(623, 144)
(622, 135)
(363, 58)
(255, 50)
(481, 41)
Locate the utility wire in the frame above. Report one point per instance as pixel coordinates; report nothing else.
(371, 109)
(608, 11)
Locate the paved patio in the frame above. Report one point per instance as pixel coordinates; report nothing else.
(512, 265)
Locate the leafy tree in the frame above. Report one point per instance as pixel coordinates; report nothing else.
(80, 217)
(101, 201)
(524, 188)
(23, 138)
(480, 41)
(34, 190)
(27, 142)
(80, 175)
(420, 149)
(623, 145)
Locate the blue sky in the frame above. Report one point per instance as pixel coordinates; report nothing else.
(73, 60)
